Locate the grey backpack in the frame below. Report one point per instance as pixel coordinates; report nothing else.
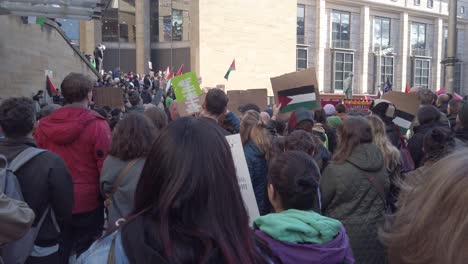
(18, 251)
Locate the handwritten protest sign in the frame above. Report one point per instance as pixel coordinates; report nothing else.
(296, 89)
(237, 98)
(407, 106)
(188, 93)
(243, 177)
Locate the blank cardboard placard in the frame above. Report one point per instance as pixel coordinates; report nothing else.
(295, 80)
(108, 96)
(184, 110)
(405, 102)
(243, 177)
(251, 96)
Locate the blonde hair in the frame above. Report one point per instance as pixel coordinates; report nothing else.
(253, 129)
(431, 226)
(390, 153)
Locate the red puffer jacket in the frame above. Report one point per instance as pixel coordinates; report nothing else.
(82, 138)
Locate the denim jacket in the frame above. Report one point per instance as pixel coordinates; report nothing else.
(98, 253)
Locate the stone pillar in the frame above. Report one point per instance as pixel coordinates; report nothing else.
(90, 35)
(321, 40)
(438, 51)
(142, 42)
(195, 36)
(404, 44)
(365, 38)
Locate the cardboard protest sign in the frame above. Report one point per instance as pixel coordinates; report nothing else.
(251, 96)
(188, 93)
(243, 177)
(296, 89)
(108, 96)
(407, 106)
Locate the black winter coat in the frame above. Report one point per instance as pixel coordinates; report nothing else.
(44, 181)
(415, 144)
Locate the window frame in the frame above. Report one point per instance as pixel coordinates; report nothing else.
(417, 2)
(382, 19)
(415, 74)
(340, 32)
(344, 71)
(300, 38)
(430, 4)
(383, 74)
(418, 24)
(306, 57)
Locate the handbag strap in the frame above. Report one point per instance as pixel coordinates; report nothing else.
(378, 186)
(119, 179)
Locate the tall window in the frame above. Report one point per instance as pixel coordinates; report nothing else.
(301, 63)
(386, 70)
(421, 70)
(119, 22)
(341, 29)
(168, 23)
(110, 22)
(381, 32)
(177, 25)
(300, 24)
(343, 66)
(430, 3)
(417, 2)
(418, 36)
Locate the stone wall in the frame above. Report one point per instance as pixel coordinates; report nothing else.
(27, 51)
(260, 35)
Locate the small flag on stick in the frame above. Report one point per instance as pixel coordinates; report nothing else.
(181, 70)
(50, 87)
(231, 68)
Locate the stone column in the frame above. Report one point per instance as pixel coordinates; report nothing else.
(142, 42)
(90, 35)
(365, 43)
(404, 44)
(438, 51)
(321, 40)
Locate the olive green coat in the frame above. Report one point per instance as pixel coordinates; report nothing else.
(349, 196)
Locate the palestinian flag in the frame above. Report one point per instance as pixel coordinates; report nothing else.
(403, 120)
(50, 87)
(407, 89)
(293, 98)
(231, 68)
(180, 71)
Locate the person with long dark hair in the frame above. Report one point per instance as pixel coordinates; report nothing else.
(354, 189)
(131, 144)
(296, 231)
(188, 205)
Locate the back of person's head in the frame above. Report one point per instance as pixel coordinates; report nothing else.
(329, 110)
(390, 153)
(300, 140)
(134, 98)
(463, 115)
(438, 143)
(340, 108)
(320, 116)
(76, 88)
(186, 200)
(247, 107)
(433, 217)
(293, 182)
(426, 96)
(353, 132)
(216, 102)
(428, 114)
(157, 116)
(17, 117)
(253, 129)
(454, 106)
(48, 109)
(442, 99)
(132, 137)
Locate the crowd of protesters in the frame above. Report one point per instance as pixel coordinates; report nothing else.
(141, 184)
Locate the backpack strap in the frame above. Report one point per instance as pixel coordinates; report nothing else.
(25, 156)
(118, 181)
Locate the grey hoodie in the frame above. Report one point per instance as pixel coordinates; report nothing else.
(122, 203)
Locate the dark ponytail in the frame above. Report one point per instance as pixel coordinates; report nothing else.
(295, 177)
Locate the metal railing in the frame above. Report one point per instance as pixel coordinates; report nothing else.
(418, 52)
(341, 44)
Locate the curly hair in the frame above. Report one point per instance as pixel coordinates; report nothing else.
(132, 137)
(17, 116)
